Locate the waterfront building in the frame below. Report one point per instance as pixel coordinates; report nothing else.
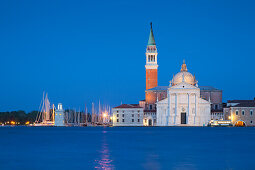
(194, 109)
(209, 93)
(183, 105)
(240, 112)
(127, 115)
(59, 116)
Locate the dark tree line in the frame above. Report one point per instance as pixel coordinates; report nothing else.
(18, 116)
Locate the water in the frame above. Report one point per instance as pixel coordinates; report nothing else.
(126, 148)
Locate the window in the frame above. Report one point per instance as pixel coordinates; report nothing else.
(154, 120)
(123, 120)
(138, 120)
(236, 112)
(251, 112)
(123, 111)
(117, 120)
(133, 120)
(145, 120)
(117, 115)
(122, 115)
(216, 107)
(138, 115)
(242, 112)
(117, 111)
(251, 121)
(133, 115)
(138, 111)
(150, 107)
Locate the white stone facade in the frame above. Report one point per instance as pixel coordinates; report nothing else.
(150, 119)
(183, 107)
(127, 116)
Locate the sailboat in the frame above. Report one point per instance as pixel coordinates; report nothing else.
(45, 116)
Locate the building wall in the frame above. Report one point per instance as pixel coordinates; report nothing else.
(150, 116)
(214, 96)
(247, 118)
(217, 116)
(59, 118)
(150, 97)
(131, 116)
(151, 78)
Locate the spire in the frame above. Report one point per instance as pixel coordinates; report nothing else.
(151, 37)
(184, 66)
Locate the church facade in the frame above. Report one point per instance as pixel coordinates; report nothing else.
(183, 105)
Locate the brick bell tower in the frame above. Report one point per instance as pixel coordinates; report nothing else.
(151, 69)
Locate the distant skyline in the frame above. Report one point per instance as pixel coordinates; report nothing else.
(85, 51)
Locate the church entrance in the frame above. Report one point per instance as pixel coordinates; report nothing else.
(150, 122)
(183, 118)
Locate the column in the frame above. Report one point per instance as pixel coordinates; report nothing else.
(188, 109)
(176, 105)
(195, 109)
(168, 109)
(169, 104)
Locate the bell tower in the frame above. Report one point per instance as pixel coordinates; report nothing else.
(151, 66)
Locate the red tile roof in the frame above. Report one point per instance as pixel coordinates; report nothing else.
(128, 106)
(241, 101)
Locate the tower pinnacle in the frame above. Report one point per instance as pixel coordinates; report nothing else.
(151, 37)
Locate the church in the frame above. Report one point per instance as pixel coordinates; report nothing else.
(179, 104)
(183, 105)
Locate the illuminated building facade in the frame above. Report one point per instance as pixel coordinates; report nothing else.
(59, 116)
(240, 112)
(183, 105)
(127, 115)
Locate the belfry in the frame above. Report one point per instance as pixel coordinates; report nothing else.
(151, 63)
(151, 80)
(151, 69)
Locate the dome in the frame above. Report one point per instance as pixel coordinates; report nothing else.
(184, 76)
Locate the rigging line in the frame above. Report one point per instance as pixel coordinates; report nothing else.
(38, 114)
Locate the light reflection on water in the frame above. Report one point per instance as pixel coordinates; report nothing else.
(104, 162)
(126, 148)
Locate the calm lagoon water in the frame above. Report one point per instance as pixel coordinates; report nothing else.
(127, 148)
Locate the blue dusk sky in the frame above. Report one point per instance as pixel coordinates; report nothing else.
(83, 51)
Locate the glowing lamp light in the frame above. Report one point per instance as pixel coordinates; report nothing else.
(12, 123)
(111, 118)
(27, 123)
(229, 117)
(104, 115)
